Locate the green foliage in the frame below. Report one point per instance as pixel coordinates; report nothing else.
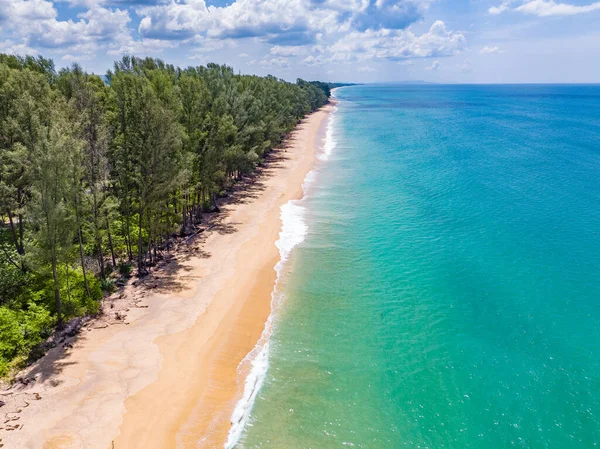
(21, 330)
(108, 285)
(125, 269)
(12, 278)
(12, 341)
(96, 175)
(76, 300)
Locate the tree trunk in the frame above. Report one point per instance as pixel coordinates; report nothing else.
(150, 243)
(21, 234)
(97, 225)
(110, 244)
(21, 226)
(59, 318)
(127, 247)
(185, 208)
(128, 237)
(68, 283)
(13, 232)
(85, 281)
(100, 256)
(140, 243)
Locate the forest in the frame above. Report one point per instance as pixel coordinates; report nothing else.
(98, 173)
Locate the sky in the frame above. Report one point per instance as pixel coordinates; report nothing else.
(448, 41)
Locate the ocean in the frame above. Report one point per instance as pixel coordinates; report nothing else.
(440, 281)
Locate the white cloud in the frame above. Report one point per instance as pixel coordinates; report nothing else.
(296, 50)
(545, 8)
(280, 22)
(365, 69)
(21, 11)
(494, 10)
(274, 62)
(434, 67)
(130, 46)
(398, 45)
(277, 21)
(314, 60)
(314, 31)
(36, 24)
(490, 50)
(76, 58)
(465, 66)
(13, 48)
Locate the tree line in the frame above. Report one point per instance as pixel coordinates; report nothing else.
(96, 173)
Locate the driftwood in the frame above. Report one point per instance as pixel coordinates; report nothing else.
(198, 232)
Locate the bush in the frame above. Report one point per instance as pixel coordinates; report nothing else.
(21, 330)
(37, 324)
(107, 285)
(28, 321)
(74, 296)
(125, 269)
(12, 341)
(13, 281)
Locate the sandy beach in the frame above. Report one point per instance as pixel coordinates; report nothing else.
(159, 370)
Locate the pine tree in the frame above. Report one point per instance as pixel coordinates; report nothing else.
(52, 217)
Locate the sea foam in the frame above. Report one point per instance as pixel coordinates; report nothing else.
(293, 232)
(329, 143)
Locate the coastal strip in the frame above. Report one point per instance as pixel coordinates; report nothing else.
(293, 232)
(168, 377)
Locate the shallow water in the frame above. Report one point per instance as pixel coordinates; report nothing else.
(445, 292)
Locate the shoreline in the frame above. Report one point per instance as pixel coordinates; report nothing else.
(293, 231)
(169, 377)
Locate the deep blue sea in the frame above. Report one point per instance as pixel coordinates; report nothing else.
(445, 289)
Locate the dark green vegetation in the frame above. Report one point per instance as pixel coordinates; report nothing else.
(327, 87)
(95, 176)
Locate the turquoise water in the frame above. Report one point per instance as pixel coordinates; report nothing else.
(447, 292)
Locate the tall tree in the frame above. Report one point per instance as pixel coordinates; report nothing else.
(87, 96)
(53, 221)
(25, 102)
(148, 143)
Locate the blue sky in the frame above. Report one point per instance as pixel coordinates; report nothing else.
(469, 41)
